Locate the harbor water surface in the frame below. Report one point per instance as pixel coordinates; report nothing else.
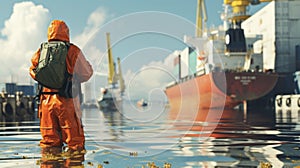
(156, 134)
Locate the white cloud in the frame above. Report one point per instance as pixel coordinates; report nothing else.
(85, 40)
(20, 38)
(95, 20)
(149, 82)
(26, 28)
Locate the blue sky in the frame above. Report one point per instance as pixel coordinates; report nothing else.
(76, 12)
(143, 33)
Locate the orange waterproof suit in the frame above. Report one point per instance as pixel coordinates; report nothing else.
(60, 117)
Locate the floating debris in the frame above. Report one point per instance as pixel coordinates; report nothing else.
(106, 162)
(265, 165)
(133, 154)
(167, 165)
(296, 148)
(90, 163)
(295, 161)
(38, 162)
(152, 165)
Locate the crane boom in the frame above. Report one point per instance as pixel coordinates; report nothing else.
(201, 16)
(111, 67)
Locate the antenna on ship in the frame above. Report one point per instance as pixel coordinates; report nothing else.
(201, 16)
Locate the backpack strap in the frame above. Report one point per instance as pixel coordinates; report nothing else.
(40, 91)
(49, 93)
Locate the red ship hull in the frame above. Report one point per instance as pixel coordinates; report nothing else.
(220, 89)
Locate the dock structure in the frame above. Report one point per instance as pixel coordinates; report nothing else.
(16, 105)
(287, 102)
(277, 23)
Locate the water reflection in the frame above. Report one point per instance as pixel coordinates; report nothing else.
(250, 138)
(288, 116)
(114, 119)
(132, 136)
(56, 158)
(120, 130)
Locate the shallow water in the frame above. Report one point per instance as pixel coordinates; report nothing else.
(135, 137)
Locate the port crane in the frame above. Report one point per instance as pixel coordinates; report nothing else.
(114, 77)
(111, 96)
(111, 65)
(234, 37)
(239, 10)
(200, 17)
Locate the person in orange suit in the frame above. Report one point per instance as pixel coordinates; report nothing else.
(60, 117)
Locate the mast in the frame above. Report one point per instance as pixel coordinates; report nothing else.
(111, 67)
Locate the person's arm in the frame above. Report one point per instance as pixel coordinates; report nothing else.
(34, 63)
(83, 69)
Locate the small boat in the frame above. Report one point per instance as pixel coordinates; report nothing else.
(142, 103)
(109, 99)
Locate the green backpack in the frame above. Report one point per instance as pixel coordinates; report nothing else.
(51, 71)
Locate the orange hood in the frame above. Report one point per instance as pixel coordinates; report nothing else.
(58, 30)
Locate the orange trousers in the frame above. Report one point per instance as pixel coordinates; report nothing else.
(60, 122)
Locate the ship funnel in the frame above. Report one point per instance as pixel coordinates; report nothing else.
(235, 40)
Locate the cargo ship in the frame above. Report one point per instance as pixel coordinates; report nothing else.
(220, 68)
(111, 96)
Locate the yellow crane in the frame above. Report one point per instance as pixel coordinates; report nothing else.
(113, 77)
(111, 66)
(239, 12)
(239, 9)
(201, 16)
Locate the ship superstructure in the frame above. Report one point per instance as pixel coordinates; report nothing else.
(219, 68)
